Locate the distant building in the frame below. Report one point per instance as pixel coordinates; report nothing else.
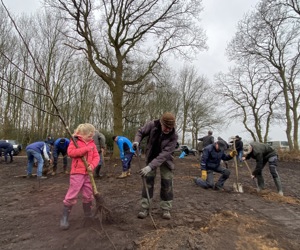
(279, 145)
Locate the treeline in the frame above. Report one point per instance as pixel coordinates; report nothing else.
(119, 74)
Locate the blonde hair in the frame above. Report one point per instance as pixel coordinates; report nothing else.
(84, 129)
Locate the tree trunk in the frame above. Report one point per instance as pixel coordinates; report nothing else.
(117, 96)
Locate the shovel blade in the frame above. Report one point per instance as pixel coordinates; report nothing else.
(238, 187)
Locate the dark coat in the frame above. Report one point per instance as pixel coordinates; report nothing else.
(207, 140)
(159, 146)
(211, 158)
(261, 153)
(239, 145)
(6, 145)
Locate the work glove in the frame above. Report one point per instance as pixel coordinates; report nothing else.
(233, 153)
(135, 145)
(144, 171)
(203, 175)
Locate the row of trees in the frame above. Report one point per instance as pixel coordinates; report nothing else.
(264, 87)
(43, 62)
(105, 63)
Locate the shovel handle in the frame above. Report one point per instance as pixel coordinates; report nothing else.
(147, 191)
(235, 163)
(251, 173)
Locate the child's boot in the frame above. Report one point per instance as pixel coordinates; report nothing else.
(87, 209)
(64, 222)
(123, 175)
(88, 216)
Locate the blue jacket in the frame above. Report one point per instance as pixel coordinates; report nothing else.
(62, 144)
(211, 158)
(6, 145)
(124, 145)
(40, 147)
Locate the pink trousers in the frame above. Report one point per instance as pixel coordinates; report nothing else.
(79, 183)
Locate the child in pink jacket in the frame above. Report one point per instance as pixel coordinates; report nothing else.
(79, 178)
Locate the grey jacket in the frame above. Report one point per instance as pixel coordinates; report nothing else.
(99, 140)
(159, 146)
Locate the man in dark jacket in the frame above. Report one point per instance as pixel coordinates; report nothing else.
(205, 141)
(208, 139)
(60, 147)
(7, 149)
(210, 162)
(161, 143)
(263, 154)
(239, 148)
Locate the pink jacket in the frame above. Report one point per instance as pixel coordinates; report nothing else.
(88, 150)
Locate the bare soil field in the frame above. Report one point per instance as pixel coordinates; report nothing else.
(30, 211)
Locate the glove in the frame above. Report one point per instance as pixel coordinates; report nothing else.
(144, 171)
(203, 175)
(233, 153)
(135, 145)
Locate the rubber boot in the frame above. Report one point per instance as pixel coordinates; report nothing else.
(260, 183)
(97, 171)
(64, 222)
(88, 216)
(128, 173)
(278, 185)
(87, 209)
(123, 175)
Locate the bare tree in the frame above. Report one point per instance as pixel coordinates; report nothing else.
(271, 37)
(10, 115)
(251, 95)
(191, 88)
(113, 33)
(293, 4)
(42, 63)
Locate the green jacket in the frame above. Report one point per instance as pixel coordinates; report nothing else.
(261, 153)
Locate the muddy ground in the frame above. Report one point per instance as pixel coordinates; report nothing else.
(30, 212)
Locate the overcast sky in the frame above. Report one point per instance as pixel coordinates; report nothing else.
(219, 19)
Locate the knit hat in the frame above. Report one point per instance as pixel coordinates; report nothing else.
(168, 120)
